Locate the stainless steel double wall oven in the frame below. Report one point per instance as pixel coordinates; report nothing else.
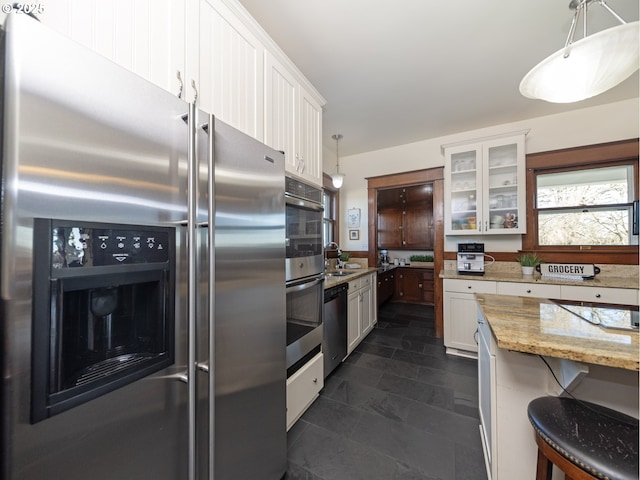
(304, 272)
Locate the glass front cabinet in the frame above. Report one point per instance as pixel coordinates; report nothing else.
(485, 187)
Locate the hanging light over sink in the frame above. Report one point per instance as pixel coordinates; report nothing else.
(337, 178)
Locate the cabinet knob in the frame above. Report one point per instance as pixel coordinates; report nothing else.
(420, 285)
(315, 380)
(597, 295)
(469, 287)
(528, 290)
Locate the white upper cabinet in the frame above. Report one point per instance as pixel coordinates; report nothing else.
(293, 121)
(144, 36)
(485, 187)
(210, 51)
(230, 65)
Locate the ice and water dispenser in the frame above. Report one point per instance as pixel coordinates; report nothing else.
(103, 311)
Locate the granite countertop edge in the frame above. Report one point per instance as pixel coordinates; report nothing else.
(517, 325)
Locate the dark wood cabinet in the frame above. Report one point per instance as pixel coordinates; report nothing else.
(405, 217)
(414, 285)
(386, 286)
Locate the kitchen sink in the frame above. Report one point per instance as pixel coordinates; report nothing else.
(341, 273)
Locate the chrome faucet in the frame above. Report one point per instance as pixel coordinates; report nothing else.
(339, 262)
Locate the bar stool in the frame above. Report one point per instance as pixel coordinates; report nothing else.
(584, 440)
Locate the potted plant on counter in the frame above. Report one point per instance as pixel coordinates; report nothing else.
(528, 261)
(421, 260)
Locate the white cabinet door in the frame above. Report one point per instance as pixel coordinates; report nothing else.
(460, 314)
(310, 137)
(230, 69)
(460, 323)
(353, 319)
(293, 122)
(144, 36)
(366, 319)
(485, 187)
(281, 114)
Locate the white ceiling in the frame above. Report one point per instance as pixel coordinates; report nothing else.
(399, 71)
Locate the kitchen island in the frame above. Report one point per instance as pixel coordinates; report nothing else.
(521, 341)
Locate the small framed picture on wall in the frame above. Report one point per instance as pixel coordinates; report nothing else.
(354, 234)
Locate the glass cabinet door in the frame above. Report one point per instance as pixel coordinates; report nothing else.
(505, 186)
(485, 187)
(465, 187)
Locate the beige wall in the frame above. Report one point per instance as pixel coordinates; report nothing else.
(611, 122)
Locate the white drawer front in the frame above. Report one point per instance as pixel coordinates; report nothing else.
(469, 286)
(303, 387)
(624, 296)
(355, 284)
(529, 289)
(366, 280)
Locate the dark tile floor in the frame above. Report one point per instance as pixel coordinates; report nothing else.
(399, 408)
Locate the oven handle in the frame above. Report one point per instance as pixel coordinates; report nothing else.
(298, 202)
(299, 286)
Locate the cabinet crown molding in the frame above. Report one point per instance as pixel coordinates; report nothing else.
(445, 146)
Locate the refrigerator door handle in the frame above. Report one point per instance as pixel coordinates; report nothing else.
(211, 212)
(203, 366)
(192, 289)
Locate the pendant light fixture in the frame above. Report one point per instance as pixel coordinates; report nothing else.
(588, 67)
(337, 178)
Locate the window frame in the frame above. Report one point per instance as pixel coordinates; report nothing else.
(334, 203)
(592, 156)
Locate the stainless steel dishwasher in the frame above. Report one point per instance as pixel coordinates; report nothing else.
(334, 342)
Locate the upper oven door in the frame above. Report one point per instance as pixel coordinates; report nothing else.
(303, 238)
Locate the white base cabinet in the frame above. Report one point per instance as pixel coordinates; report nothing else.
(460, 314)
(361, 310)
(508, 381)
(303, 387)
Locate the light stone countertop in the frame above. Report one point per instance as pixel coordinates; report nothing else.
(541, 327)
(332, 281)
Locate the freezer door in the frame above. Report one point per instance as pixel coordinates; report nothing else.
(85, 140)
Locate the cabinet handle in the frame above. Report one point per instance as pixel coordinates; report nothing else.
(475, 336)
(179, 77)
(469, 287)
(195, 95)
(420, 285)
(597, 295)
(315, 380)
(528, 290)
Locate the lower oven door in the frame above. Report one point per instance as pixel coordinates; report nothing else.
(304, 318)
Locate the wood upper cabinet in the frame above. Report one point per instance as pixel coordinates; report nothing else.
(405, 217)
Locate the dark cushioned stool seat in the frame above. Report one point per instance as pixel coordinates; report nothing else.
(600, 441)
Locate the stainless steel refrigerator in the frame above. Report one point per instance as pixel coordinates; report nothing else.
(142, 278)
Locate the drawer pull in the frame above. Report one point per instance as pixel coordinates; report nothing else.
(597, 295)
(315, 380)
(469, 287)
(529, 290)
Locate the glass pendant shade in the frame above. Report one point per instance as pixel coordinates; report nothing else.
(593, 65)
(337, 179)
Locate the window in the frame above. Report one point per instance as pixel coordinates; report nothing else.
(330, 216)
(580, 204)
(591, 206)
